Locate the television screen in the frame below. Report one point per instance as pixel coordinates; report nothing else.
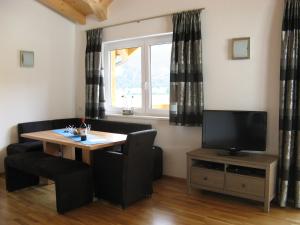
(234, 130)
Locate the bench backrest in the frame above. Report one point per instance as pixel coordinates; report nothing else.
(98, 125)
(117, 127)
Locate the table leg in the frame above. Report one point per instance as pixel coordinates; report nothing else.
(59, 150)
(52, 149)
(86, 157)
(68, 152)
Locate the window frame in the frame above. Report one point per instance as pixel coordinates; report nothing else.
(145, 43)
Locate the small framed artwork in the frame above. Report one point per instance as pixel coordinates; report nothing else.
(26, 58)
(241, 48)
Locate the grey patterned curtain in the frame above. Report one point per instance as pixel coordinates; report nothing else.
(186, 79)
(289, 163)
(94, 106)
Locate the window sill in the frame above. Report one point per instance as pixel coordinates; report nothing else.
(166, 118)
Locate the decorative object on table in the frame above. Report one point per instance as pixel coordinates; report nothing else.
(91, 139)
(89, 127)
(26, 58)
(241, 48)
(71, 130)
(128, 109)
(76, 131)
(83, 130)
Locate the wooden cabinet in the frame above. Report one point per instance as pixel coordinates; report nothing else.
(251, 176)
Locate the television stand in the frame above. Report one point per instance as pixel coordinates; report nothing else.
(251, 176)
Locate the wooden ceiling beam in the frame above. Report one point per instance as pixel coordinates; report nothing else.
(99, 7)
(65, 10)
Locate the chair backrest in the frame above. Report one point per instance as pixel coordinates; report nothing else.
(138, 168)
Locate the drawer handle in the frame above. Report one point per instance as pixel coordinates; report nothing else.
(243, 185)
(205, 178)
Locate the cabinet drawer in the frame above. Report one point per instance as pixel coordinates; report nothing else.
(207, 177)
(245, 184)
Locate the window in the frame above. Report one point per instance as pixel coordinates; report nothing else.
(137, 74)
(125, 76)
(160, 76)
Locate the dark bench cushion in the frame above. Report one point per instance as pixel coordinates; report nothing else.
(42, 164)
(32, 146)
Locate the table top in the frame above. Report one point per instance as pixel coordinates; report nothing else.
(110, 139)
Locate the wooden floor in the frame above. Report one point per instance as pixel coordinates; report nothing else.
(170, 204)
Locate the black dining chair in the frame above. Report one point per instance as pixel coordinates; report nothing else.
(126, 177)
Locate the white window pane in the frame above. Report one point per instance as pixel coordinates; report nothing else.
(126, 90)
(160, 76)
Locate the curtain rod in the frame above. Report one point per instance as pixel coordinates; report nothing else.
(147, 18)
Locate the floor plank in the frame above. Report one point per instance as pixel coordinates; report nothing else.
(170, 204)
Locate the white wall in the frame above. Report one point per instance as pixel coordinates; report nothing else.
(243, 84)
(45, 91)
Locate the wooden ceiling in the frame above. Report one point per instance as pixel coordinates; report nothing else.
(77, 10)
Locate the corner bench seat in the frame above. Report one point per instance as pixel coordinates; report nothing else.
(73, 179)
(30, 146)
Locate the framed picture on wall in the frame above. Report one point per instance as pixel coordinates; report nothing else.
(241, 48)
(26, 58)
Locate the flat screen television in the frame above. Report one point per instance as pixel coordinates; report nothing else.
(234, 130)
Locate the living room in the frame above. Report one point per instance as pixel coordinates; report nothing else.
(55, 87)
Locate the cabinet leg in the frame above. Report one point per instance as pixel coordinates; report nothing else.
(267, 206)
(189, 190)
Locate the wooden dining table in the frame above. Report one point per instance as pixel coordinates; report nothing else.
(58, 144)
